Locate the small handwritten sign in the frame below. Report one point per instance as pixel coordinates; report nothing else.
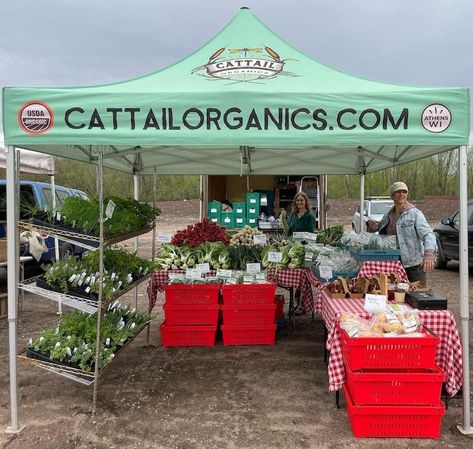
(203, 267)
(274, 256)
(165, 237)
(259, 239)
(375, 303)
(193, 273)
(325, 272)
(253, 267)
(224, 273)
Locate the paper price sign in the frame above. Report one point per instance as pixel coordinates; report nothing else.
(311, 236)
(260, 276)
(375, 303)
(110, 208)
(193, 273)
(203, 267)
(224, 273)
(253, 267)
(274, 257)
(308, 256)
(298, 235)
(325, 272)
(259, 239)
(165, 237)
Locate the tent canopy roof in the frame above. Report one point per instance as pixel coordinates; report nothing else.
(245, 102)
(30, 161)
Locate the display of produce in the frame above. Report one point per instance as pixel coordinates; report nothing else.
(72, 342)
(338, 259)
(368, 240)
(201, 232)
(244, 236)
(81, 277)
(292, 256)
(382, 324)
(330, 235)
(171, 257)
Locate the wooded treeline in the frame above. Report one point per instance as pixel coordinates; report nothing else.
(437, 175)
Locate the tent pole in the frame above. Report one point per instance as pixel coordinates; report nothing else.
(12, 279)
(201, 197)
(362, 202)
(101, 273)
(155, 195)
(56, 241)
(466, 429)
(136, 192)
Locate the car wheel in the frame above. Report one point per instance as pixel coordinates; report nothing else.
(65, 251)
(440, 260)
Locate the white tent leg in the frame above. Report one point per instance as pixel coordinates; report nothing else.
(155, 192)
(201, 197)
(101, 274)
(466, 429)
(12, 276)
(136, 192)
(56, 241)
(362, 202)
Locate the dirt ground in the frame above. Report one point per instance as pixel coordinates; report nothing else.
(193, 398)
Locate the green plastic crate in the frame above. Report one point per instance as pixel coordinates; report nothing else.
(227, 219)
(239, 209)
(214, 208)
(240, 222)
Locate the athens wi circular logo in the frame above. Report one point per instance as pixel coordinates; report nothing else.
(436, 118)
(35, 117)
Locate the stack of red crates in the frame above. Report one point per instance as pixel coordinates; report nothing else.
(393, 386)
(249, 314)
(191, 314)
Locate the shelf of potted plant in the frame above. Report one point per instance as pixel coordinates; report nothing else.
(67, 350)
(76, 282)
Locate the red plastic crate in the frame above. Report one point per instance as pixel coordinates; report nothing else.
(191, 294)
(249, 334)
(191, 314)
(389, 352)
(187, 335)
(249, 314)
(248, 294)
(401, 387)
(391, 421)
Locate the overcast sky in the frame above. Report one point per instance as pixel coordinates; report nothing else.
(71, 43)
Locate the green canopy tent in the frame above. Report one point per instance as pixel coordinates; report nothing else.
(244, 103)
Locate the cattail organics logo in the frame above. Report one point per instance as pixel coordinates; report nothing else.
(436, 118)
(243, 65)
(35, 117)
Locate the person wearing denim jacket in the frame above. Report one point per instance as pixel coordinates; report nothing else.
(415, 238)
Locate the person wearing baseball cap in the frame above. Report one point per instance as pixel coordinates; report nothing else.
(414, 236)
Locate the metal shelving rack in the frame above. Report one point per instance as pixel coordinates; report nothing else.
(86, 305)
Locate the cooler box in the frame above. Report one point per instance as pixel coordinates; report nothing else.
(426, 300)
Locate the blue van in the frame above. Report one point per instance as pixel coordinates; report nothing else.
(39, 195)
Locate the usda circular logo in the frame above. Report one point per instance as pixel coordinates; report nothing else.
(35, 117)
(436, 118)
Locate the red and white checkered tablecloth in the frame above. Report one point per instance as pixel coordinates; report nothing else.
(373, 268)
(368, 269)
(159, 279)
(299, 278)
(441, 322)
